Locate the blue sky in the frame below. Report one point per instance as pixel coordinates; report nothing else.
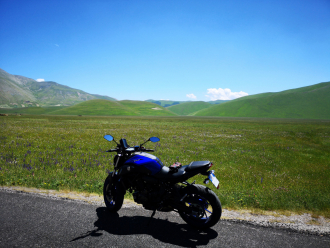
(178, 50)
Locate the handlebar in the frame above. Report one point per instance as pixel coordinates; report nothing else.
(149, 150)
(144, 150)
(112, 150)
(131, 149)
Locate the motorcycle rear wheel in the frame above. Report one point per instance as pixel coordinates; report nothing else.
(205, 207)
(113, 198)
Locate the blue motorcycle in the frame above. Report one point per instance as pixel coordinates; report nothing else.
(161, 188)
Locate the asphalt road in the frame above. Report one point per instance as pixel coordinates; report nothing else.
(28, 220)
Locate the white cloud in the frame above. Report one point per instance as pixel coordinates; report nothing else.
(224, 94)
(40, 80)
(57, 45)
(192, 96)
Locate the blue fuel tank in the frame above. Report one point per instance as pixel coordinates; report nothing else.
(150, 162)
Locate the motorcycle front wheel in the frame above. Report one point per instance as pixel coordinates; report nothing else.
(113, 198)
(204, 207)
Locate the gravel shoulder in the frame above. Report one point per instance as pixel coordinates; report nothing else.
(304, 223)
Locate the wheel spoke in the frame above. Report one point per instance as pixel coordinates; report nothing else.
(205, 214)
(208, 211)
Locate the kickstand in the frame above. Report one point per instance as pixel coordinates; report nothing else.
(152, 215)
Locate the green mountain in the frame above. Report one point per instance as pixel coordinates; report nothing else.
(218, 101)
(19, 91)
(165, 103)
(147, 108)
(311, 102)
(107, 108)
(188, 108)
(95, 107)
(170, 103)
(13, 92)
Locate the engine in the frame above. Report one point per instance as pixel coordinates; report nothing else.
(149, 193)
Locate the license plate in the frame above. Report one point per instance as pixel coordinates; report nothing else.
(214, 180)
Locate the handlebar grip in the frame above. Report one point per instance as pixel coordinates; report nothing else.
(112, 150)
(149, 150)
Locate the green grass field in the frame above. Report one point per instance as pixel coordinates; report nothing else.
(268, 164)
(31, 110)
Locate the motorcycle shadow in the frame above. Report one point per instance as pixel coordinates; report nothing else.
(161, 229)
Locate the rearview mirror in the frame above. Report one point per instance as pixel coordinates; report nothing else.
(154, 139)
(108, 137)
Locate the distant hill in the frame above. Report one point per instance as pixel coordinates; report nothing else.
(218, 101)
(13, 92)
(170, 103)
(96, 107)
(165, 103)
(311, 102)
(19, 91)
(189, 108)
(107, 108)
(147, 108)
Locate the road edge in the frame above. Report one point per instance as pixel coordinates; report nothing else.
(296, 223)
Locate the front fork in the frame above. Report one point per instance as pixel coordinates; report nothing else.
(116, 165)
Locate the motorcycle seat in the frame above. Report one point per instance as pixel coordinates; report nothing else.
(183, 172)
(197, 165)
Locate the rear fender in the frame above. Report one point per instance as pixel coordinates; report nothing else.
(190, 174)
(190, 188)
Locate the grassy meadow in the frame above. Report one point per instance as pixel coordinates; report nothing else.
(30, 110)
(268, 164)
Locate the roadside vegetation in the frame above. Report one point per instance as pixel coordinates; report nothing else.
(267, 164)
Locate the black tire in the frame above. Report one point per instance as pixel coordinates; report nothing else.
(113, 198)
(204, 204)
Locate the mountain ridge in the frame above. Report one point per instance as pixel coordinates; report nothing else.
(309, 102)
(20, 91)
